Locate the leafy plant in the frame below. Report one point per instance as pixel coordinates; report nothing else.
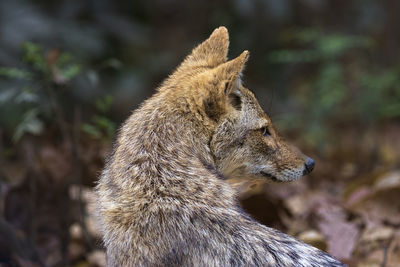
(38, 81)
(336, 93)
(101, 126)
(380, 98)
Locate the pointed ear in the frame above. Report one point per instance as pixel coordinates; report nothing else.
(232, 70)
(212, 52)
(222, 80)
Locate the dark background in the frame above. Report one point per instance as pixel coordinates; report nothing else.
(327, 73)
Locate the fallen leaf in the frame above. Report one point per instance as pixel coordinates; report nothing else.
(341, 235)
(313, 238)
(97, 258)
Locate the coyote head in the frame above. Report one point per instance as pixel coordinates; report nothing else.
(242, 138)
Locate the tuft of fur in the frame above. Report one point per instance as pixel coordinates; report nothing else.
(163, 199)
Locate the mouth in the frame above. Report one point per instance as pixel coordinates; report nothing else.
(270, 176)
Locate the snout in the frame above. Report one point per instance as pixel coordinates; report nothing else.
(308, 166)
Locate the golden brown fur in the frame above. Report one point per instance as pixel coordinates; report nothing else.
(163, 199)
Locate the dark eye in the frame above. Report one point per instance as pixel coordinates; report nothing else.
(265, 131)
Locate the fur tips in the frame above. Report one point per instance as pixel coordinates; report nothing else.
(236, 65)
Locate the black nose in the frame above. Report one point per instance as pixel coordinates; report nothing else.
(308, 166)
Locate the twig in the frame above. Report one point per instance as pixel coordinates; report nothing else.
(78, 163)
(386, 246)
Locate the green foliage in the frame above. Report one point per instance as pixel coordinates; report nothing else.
(30, 124)
(34, 56)
(317, 46)
(15, 73)
(381, 96)
(37, 90)
(336, 93)
(38, 86)
(101, 127)
(104, 104)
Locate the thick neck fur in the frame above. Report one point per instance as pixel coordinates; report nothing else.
(165, 154)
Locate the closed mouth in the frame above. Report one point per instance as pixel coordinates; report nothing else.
(270, 176)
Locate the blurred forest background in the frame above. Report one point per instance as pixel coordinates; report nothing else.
(327, 72)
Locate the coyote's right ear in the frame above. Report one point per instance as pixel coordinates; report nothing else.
(231, 71)
(211, 53)
(223, 79)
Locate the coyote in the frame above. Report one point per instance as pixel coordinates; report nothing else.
(163, 197)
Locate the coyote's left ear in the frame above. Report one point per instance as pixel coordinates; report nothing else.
(210, 53)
